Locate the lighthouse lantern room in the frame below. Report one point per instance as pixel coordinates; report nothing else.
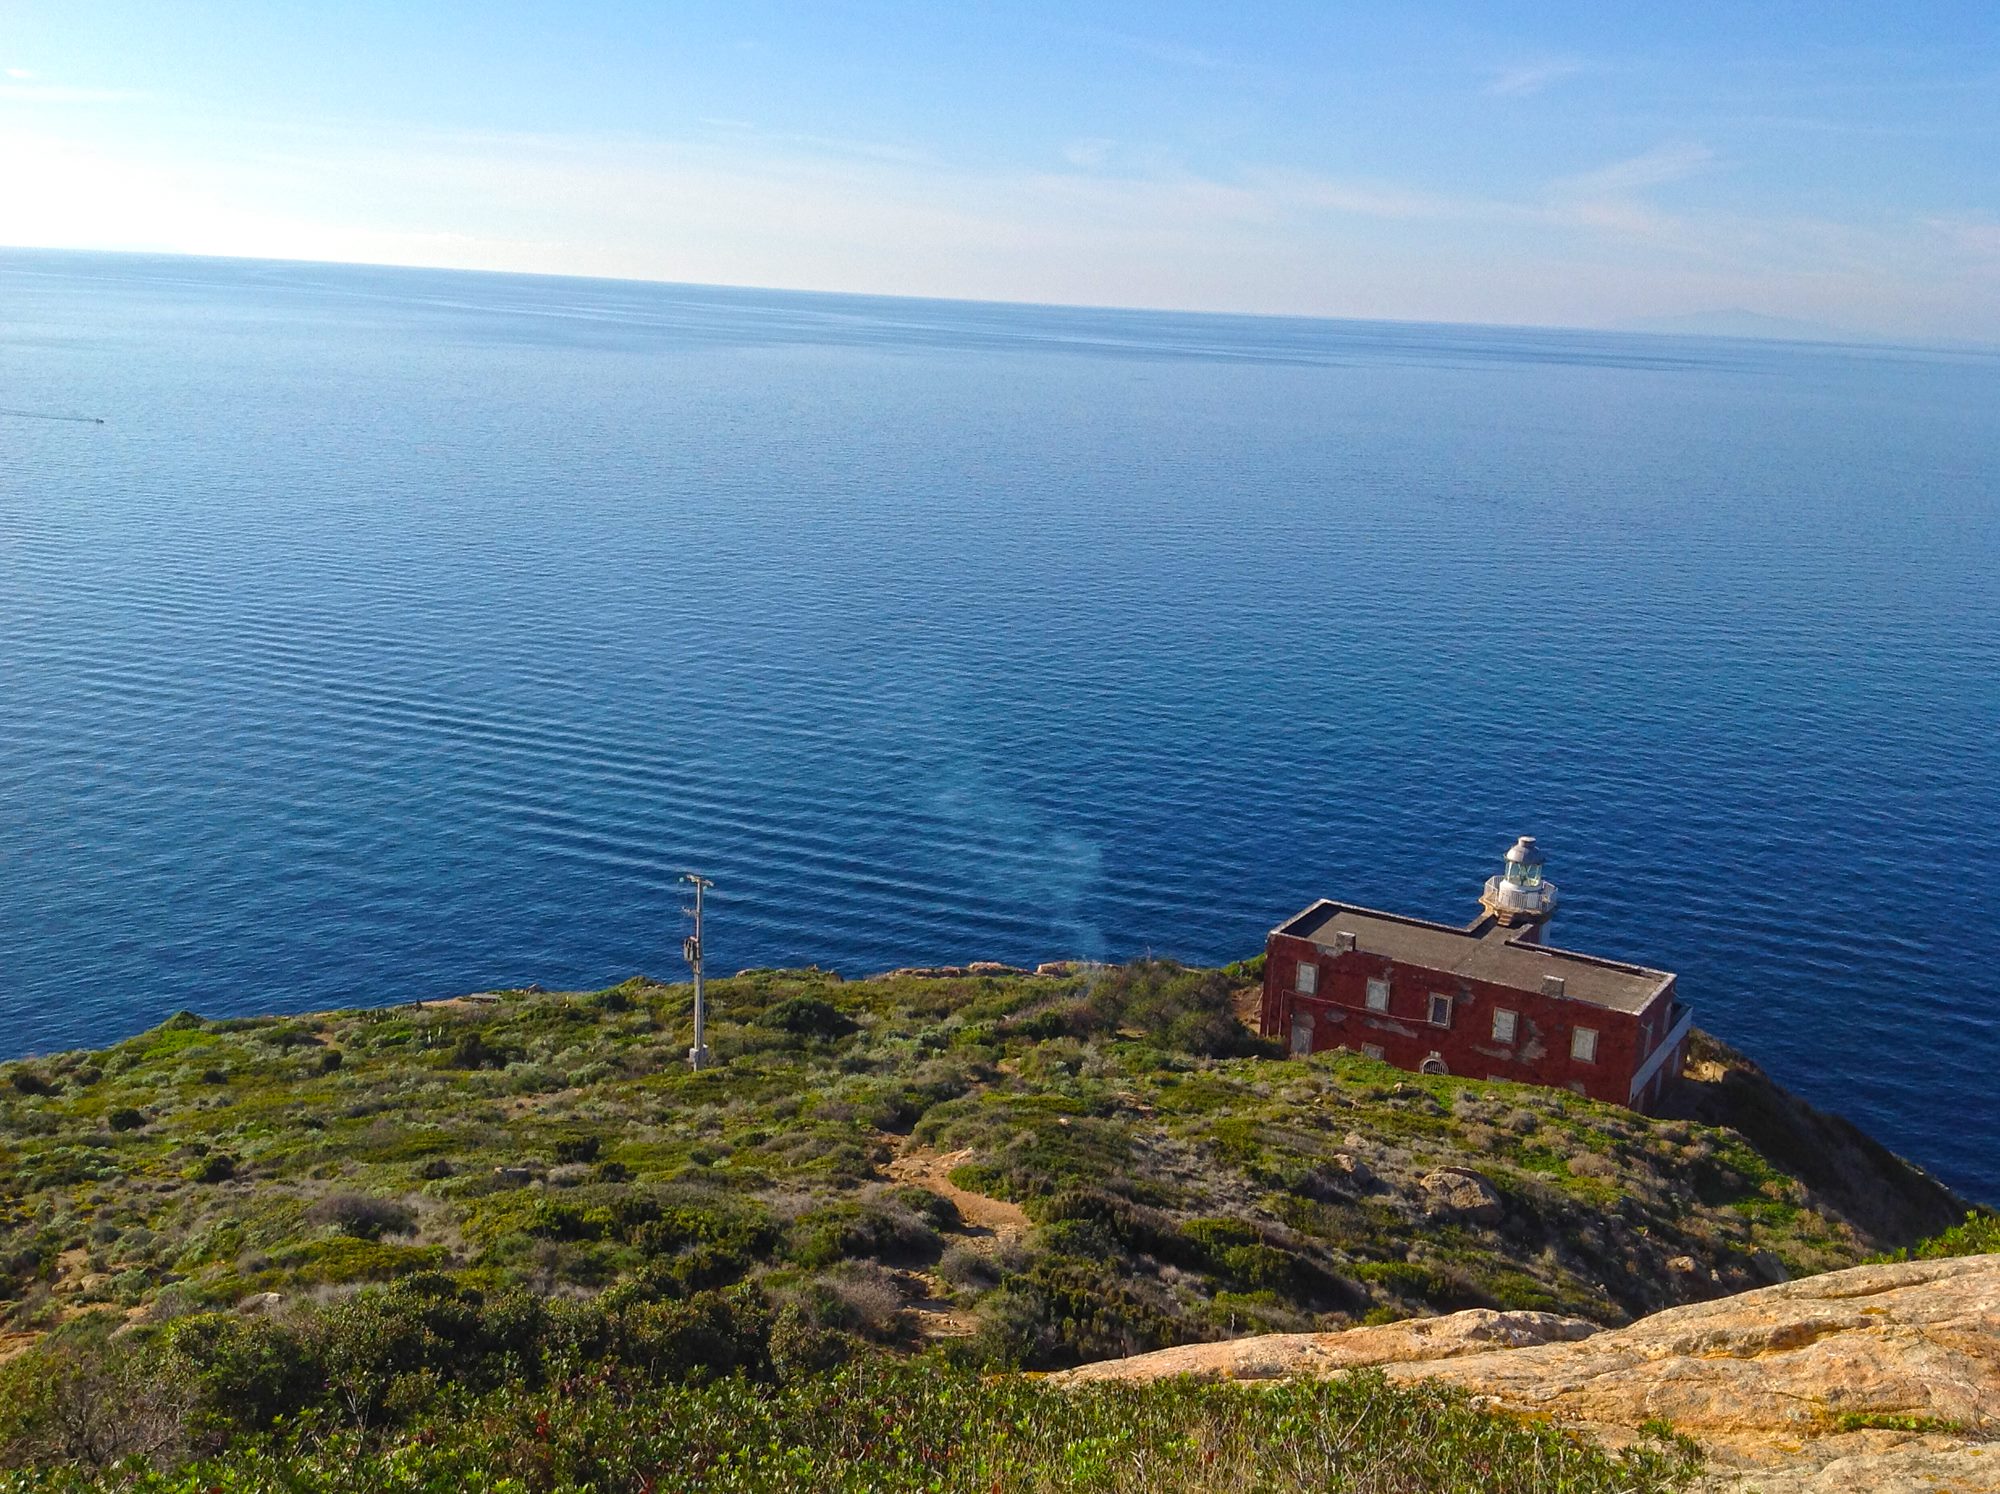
(1521, 894)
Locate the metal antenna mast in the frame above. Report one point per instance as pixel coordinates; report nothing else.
(691, 952)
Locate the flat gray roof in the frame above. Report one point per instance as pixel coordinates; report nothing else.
(1484, 950)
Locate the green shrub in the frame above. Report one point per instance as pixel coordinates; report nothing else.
(1214, 1236)
(968, 1269)
(1183, 1009)
(1042, 1026)
(1064, 1311)
(810, 1017)
(1428, 1284)
(881, 1229)
(871, 1427)
(560, 1219)
(216, 1167)
(710, 1334)
(343, 1260)
(91, 1400)
(690, 1248)
(577, 1148)
(472, 1051)
(1978, 1235)
(246, 1371)
(363, 1217)
(934, 1209)
(385, 1353)
(801, 1346)
(1263, 1267)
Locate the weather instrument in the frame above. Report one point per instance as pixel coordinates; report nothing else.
(698, 1058)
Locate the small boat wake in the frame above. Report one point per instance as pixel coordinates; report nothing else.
(53, 415)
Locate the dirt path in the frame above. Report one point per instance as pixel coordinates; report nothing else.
(986, 1224)
(990, 1222)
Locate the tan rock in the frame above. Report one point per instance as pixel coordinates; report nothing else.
(1461, 1193)
(1762, 1380)
(1353, 1168)
(1281, 1355)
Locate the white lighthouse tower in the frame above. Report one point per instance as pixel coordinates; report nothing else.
(1520, 896)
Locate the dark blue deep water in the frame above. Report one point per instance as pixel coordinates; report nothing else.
(402, 633)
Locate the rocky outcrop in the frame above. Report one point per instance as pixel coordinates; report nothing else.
(1278, 1356)
(1879, 1378)
(1459, 1193)
(1852, 1178)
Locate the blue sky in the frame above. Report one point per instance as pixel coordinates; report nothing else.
(1550, 163)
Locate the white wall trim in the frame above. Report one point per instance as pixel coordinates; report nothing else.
(1668, 1045)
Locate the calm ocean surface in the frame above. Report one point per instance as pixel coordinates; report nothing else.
(403, 633)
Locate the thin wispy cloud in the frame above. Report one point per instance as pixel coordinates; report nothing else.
(1655, 168)
(1090, 154)
(1530, 78)
(1977, 238)
(1389, 201)
(20, 88)
(831, 145)
(1161, 49)
(1099, 216)
(1619, 217)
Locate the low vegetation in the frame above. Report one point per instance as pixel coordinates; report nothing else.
(889, 1428)
(404, 1234)
(1977, 1234)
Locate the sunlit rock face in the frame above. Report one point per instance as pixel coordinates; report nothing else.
(1884, 1378)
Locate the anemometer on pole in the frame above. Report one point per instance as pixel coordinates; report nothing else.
(691, 952)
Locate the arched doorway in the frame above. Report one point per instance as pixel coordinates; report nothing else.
(1433, 1065)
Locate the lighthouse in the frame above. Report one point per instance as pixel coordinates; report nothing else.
(1487, 1000)
(1520, 897)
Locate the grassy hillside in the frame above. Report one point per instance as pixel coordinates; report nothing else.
(991, 1169)
(1173, 1181)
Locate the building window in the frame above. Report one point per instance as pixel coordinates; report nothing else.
(1503, 1025)
(1308, 980)
(1378, 995)
(1583, 1044)
(1374, 1051)
(1440, 1010)
(1433, 1065)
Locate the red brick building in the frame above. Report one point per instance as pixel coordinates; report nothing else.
(1487, 1001)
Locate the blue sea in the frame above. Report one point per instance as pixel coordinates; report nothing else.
(401, 633)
